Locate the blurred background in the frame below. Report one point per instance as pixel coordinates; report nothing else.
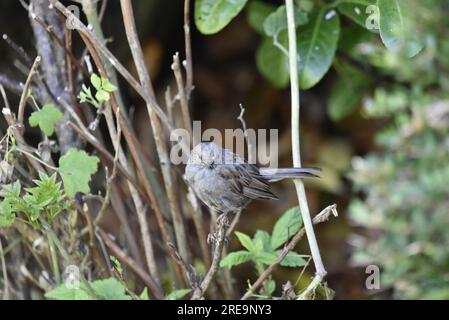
(376, 124)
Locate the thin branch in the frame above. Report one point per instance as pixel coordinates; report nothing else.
(25, 92)
(82, 29)
(219, 239)
(296, 150)
(151, 283)
(188, 48)
(320, 217)
(176, 67)
(5, 273)
(144, 77)
(249, 143)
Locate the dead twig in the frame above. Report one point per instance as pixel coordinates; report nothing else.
(219, 239)
(320, 217)
(25, 92)
(151, 283)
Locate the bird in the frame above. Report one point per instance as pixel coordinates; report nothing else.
(226, 183)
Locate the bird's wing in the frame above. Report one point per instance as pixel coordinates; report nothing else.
(245, 179)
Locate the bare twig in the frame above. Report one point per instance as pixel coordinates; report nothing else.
(188, 48)
(183, 98)
(219, 239)
(198, 221)
(110, 179)
(137, 53)
(82, 29)
(188, 269)
(18, 135)
(320, 217)
(5, 273)
(25, 92)
(121, 255)
(249, 143)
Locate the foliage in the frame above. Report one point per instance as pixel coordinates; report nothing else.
(178, 294)
(46, 118)
(107, 289)
(45, 201)
(76, 169)
(405, 203)
(103, 88)
(318, 33)
(263, 249)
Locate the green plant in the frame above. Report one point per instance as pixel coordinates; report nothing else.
(103, 88)
(45, 201)
(106, 289)
(46, 118)
(263, 249)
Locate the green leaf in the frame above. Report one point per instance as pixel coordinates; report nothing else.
(257, 12)
(46, 118)
(317, 42)
(178, 294)
(102, 96)
(110, 289)
(292, 259)
(245, 241)
(277, 21)
(7, 215)
(96, 81)
(347, 92)
(213, 15)
(264, 238)
(144, 295)
(66, 292)
(357, 11)
(236, 258)
(286, 227)
(107, 86)
(265, 257)
(76, 169)
(398, 29)
(272, 62)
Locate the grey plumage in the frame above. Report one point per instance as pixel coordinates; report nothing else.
(224, 182)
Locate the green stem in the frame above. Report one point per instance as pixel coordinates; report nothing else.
(54, 259)
(296, 150)
(67, 259)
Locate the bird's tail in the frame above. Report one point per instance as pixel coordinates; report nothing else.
(276, 174)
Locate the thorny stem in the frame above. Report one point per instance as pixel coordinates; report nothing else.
(294, 84)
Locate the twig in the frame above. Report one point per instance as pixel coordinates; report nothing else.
(137, 53)
(219, 241)
(153, 286)
(82, 29)
(320, 217)
(188, 269)
(249, 143)
(198, 221)
(20, 140)
(25, 92)
(109, 179)
(5, 273)
(176, 67)
(20, 51)
(188, 48)
(296, 150)
(5, 98)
